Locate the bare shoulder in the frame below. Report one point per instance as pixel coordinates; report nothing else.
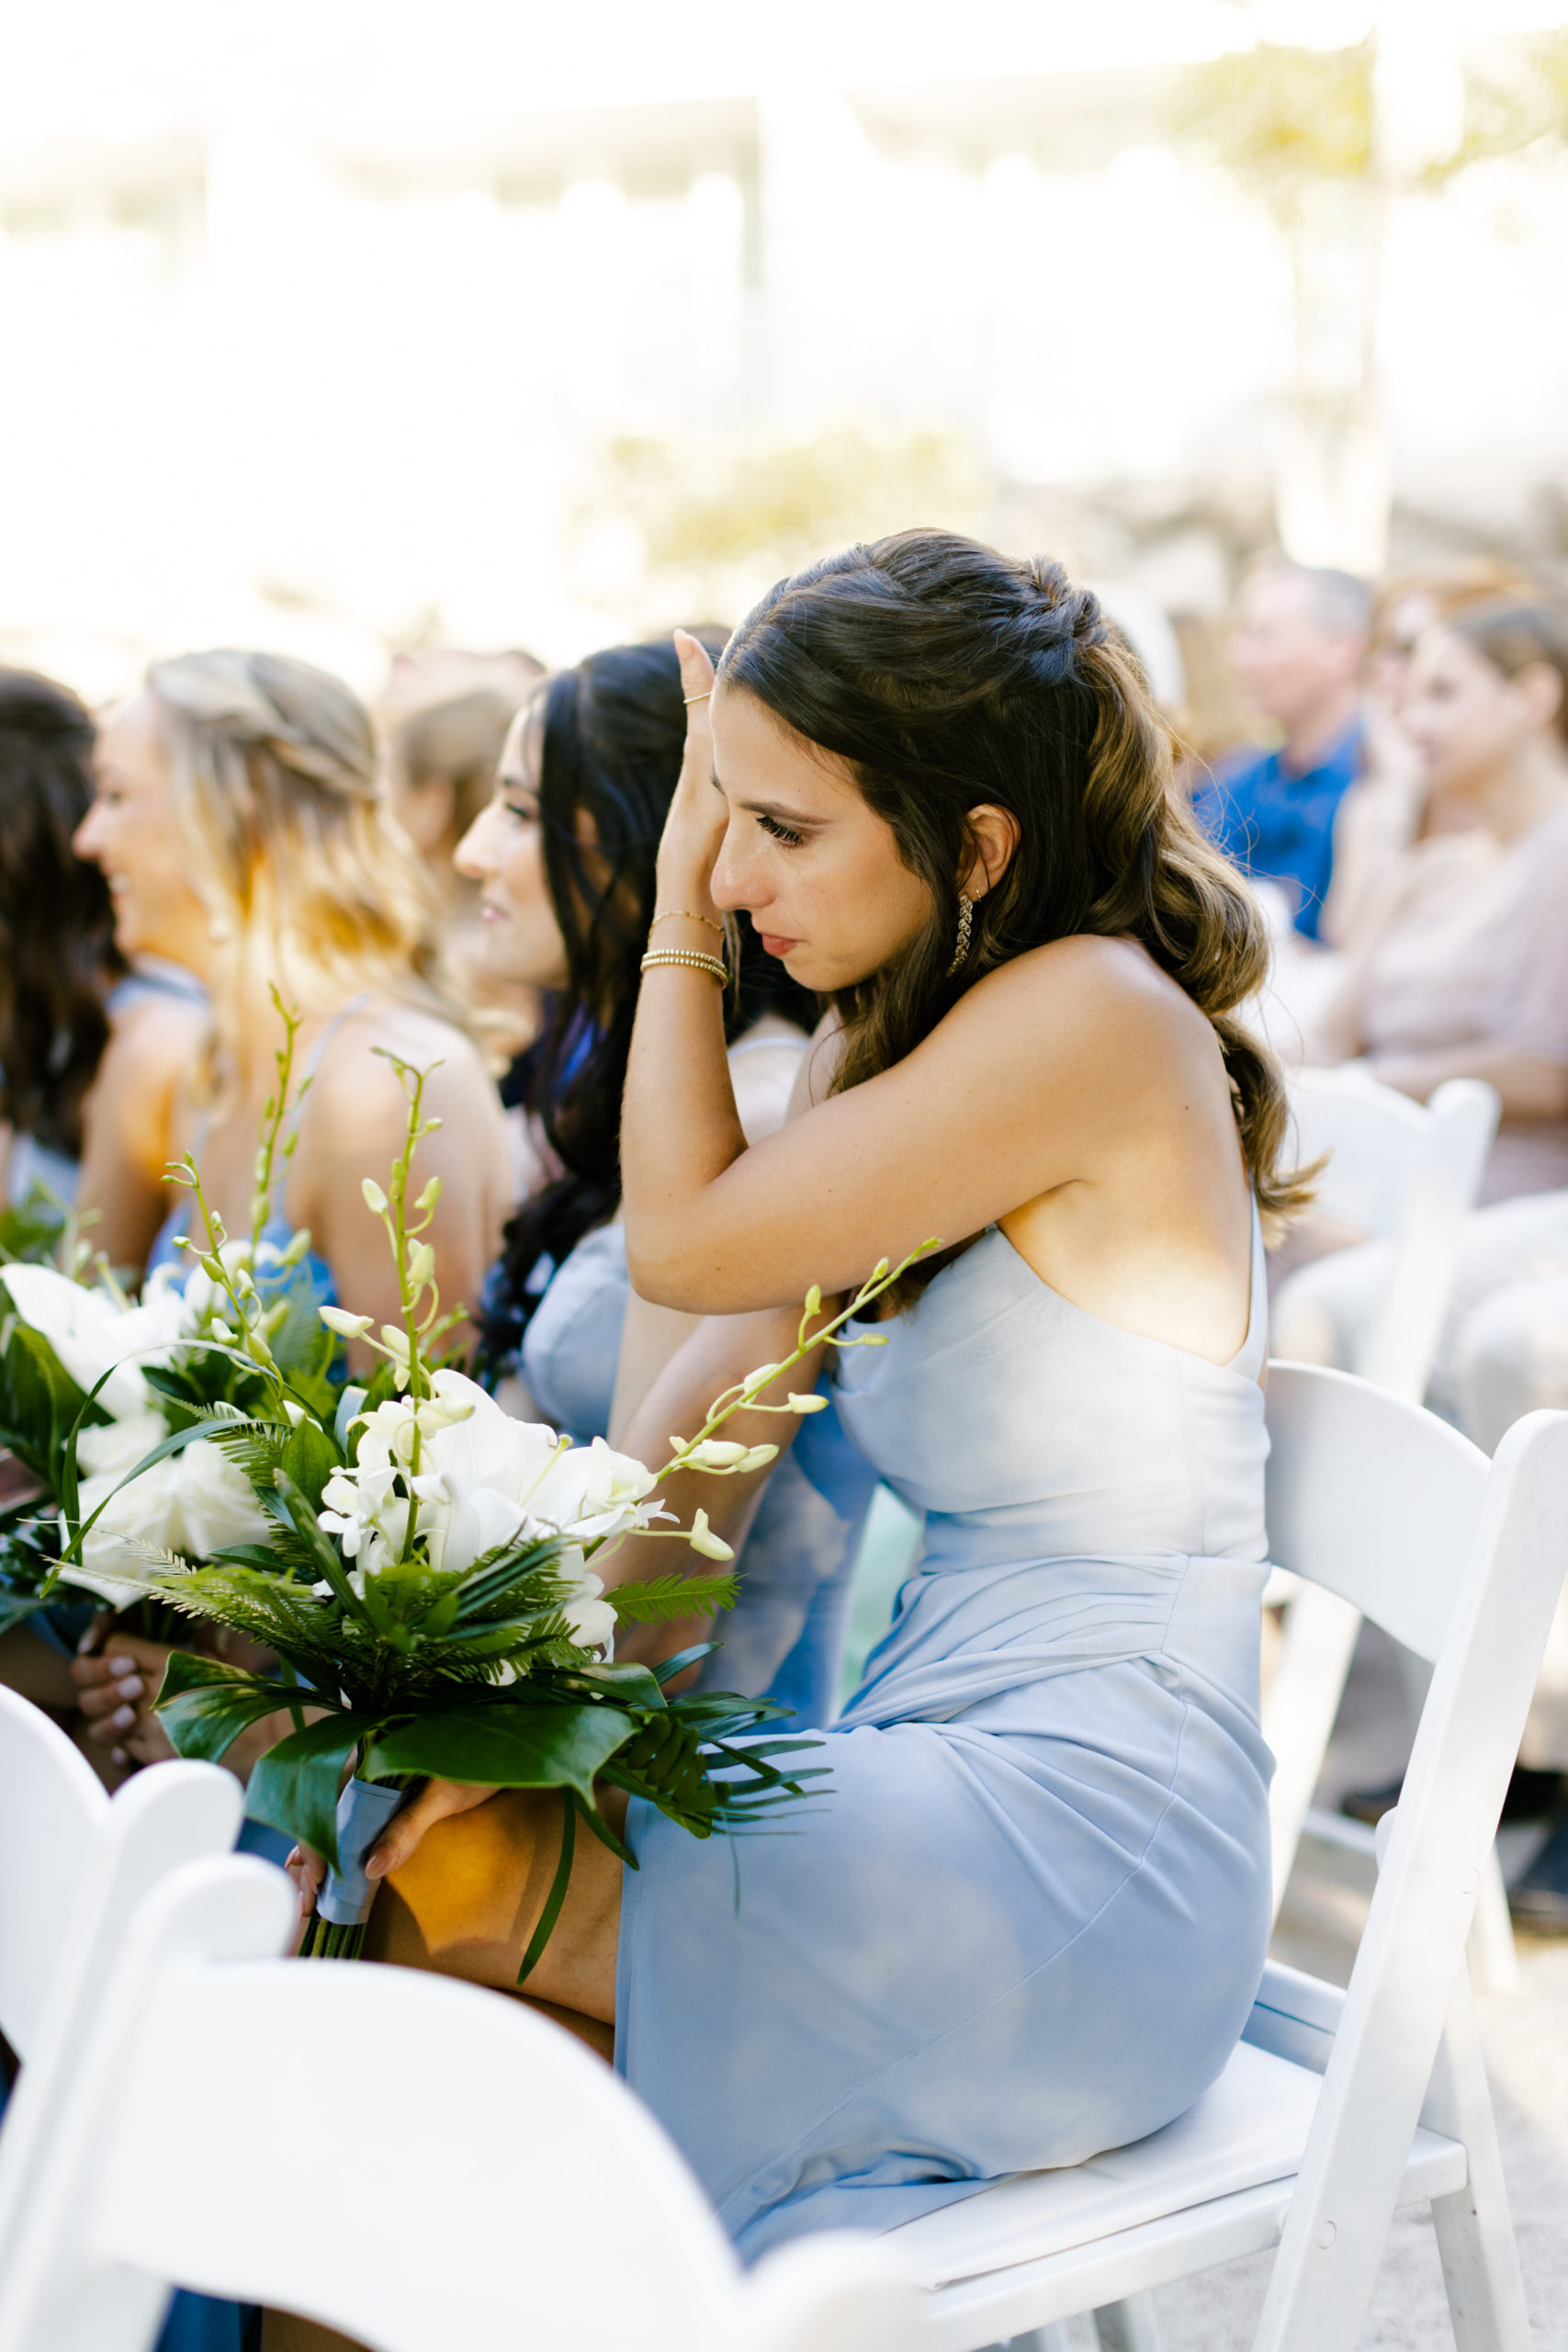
(1087, 995)
(356, 1066)
(154, 1034)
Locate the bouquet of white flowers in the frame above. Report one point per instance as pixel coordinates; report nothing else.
(105, 1403)
(424, 1570)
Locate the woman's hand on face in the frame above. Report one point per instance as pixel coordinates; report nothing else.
(114, 1690)
(693, 829)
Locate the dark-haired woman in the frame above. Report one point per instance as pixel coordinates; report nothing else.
(565, 854)
(1028, 1924)
(57, 953)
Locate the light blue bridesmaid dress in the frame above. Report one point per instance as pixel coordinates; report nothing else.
(1027, 1919)
(785, 1635)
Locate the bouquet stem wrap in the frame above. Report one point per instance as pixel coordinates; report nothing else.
(363, 1812)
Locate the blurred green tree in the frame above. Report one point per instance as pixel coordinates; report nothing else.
(713, 524)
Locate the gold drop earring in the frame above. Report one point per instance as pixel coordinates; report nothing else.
(965, 916)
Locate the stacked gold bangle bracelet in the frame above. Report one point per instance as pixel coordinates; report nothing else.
(691, 959)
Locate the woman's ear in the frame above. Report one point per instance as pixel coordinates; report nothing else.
(1539, 688)
(994, 833)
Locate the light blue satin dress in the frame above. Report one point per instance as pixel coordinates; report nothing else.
(784, 1638)
(1027, 1921)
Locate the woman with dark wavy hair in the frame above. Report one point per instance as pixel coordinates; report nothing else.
(566, 857)
(1028, 1923)
(57, 953)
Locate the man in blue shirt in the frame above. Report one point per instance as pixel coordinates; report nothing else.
(1300, 638)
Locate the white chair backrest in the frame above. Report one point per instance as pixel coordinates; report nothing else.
(1372, 1498)
(75, 1865)
(1407, 1173)
(1384, 1505)
(544, 2204)
(52, 1807)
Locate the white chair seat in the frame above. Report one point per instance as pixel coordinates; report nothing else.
(1213, 2184)
(1249, 2126)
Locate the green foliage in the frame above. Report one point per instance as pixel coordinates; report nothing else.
(717, 523)
(31, 1231)
(1282, 119)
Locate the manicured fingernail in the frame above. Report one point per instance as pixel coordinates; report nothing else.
(376, 1865)
(122, 1718)
(118, 1756)
(131, 1687)
(122, 1666)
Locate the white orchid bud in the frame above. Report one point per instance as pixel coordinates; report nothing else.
(296, 1248)
(715, 1453)
(814, 1299)
(757, 1457)
(807, 1404)
(759, 1378)
(346, 1326)
(428, 1197)
(702, 1539)
(396, 1341)
(374, 1198)
(421, 1265)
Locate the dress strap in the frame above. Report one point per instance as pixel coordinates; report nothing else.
(1249, 1357)
(328, 1031)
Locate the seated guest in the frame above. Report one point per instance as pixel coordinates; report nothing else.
(564, 858)
(1464, 969)
(1028, 1922)
(1300, 637)
(1391, 805)
(258, 773)
(57, 960)
(440, 770)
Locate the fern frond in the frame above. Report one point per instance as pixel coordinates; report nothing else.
(661, 1600)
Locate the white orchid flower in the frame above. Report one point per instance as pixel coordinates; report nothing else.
(483, 1480)
(195, 1501)
(91, 1331)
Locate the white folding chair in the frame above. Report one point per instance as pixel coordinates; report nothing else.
(1406, 1173)
(73, 1865)
(1337, 2107)
(420, 2164)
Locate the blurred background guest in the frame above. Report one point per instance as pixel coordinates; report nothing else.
(1393, 805)
(1463, 972)
(240, 826)
(440, 765)
(57, 960)
(1297, 648)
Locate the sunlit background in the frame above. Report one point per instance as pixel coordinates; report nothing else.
(355, 327)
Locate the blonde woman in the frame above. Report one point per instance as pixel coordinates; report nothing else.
(238, 823)
(243, 786)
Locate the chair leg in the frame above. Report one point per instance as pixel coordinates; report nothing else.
(1128, 2326)
(1475, 2232)
(1494, 1963)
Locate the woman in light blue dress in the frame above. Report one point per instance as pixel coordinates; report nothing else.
(565, 856)
(1027, 1920)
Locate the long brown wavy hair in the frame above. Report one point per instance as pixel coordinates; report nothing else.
(57, 952)
(948, 676)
